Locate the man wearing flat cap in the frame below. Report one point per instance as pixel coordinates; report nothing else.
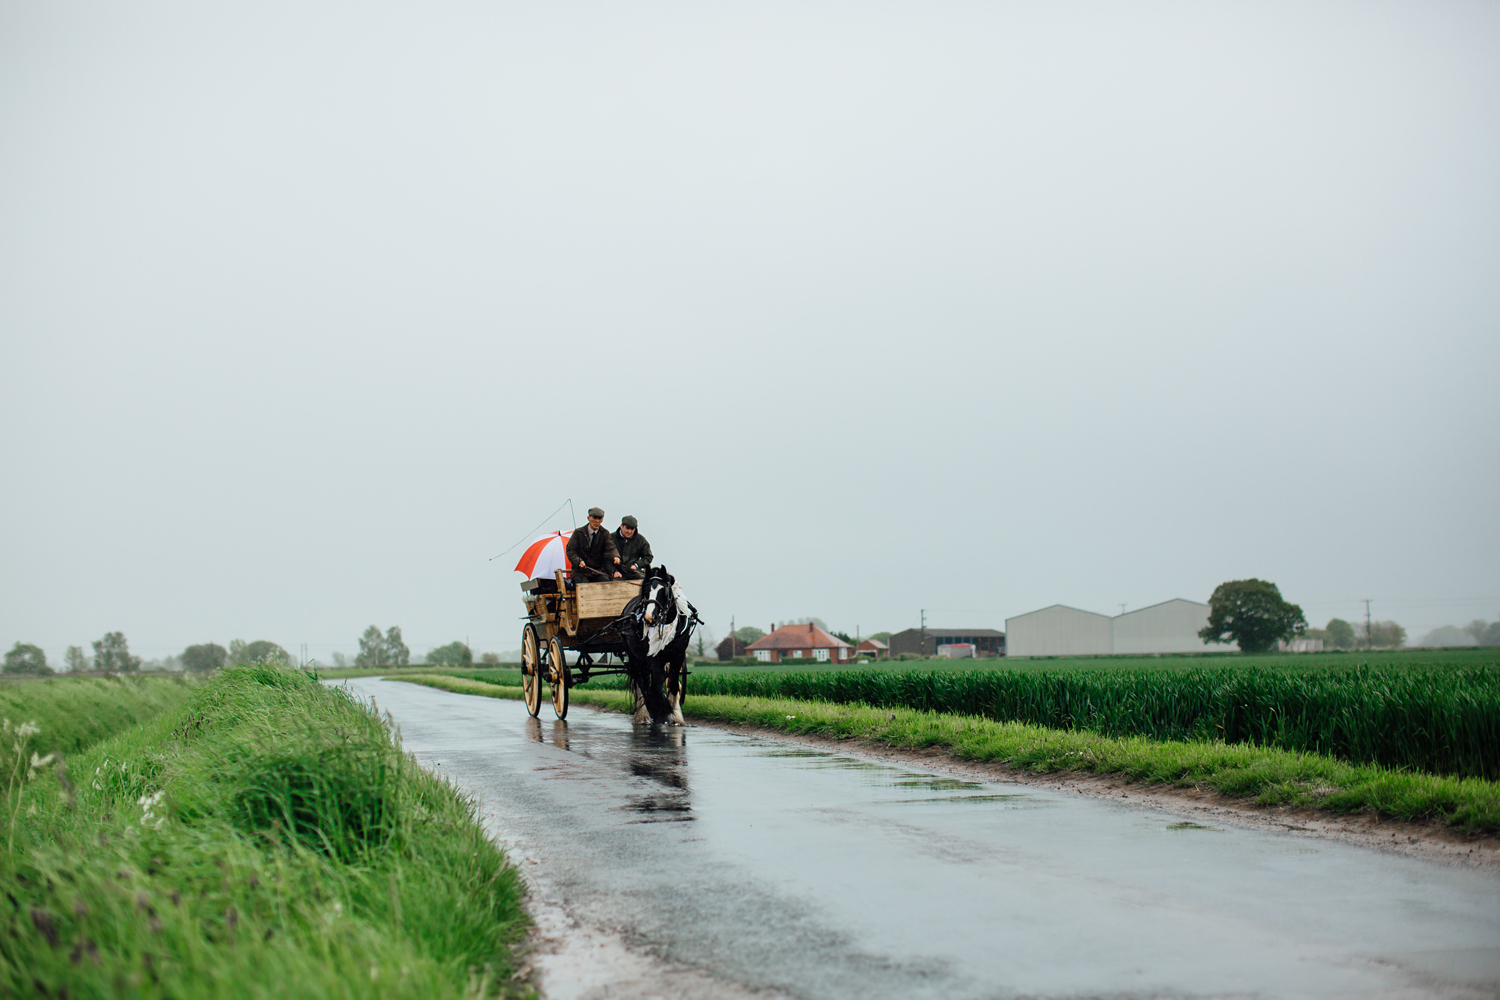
(591, 551)
(635, 551)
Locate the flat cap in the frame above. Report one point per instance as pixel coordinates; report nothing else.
(629, 521)
(595, 512)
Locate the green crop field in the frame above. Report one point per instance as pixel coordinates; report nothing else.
(1435, 711)
(265, 837)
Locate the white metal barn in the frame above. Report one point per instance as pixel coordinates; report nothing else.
(1058, 631)
(1169, 627)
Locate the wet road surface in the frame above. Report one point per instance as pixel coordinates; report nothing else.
(819, 875)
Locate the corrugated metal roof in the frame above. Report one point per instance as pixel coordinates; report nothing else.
(943, 633)
(798, 637)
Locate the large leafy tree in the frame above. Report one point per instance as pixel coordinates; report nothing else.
(749, 633)
(1252, 613)
(1387, 635)
(205, 656)
(455, 654)
(74, 661)
(24, 658)
(112, 654)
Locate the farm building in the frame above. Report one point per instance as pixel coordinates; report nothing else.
(1059, 631)
(796, 642)
(1169, 627)
(928, 642)
(872, 649)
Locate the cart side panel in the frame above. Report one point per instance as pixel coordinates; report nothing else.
(605, 600)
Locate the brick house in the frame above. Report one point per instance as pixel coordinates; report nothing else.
(801, 642)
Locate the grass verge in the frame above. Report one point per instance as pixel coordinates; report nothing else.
(267, 838)
(1263, 775)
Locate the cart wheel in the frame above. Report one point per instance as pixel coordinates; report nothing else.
(558, 674)
(531, 671)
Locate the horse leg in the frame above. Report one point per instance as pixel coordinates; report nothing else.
(674, 694)
(641, 715)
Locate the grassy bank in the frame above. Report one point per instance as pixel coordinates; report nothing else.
(266, 838)
(1264, 775)
(72, 713)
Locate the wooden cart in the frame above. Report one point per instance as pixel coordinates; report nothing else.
(583, 617)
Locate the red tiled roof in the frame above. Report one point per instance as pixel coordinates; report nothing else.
(873, 644)
(798, 637)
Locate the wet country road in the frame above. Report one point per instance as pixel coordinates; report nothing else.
(820, 875)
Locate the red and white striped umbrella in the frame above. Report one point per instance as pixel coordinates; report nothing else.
(545, 556)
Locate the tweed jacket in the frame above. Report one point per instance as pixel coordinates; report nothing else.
(600, 554)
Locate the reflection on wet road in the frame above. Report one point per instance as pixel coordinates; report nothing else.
(823, 876)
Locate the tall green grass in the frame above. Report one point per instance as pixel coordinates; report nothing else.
(267, 838)
(1443, 720)
(71, 713)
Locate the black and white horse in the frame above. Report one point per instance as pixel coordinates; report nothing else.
(659, 627)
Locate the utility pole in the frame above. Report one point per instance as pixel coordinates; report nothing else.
(922, 648)
(1369, 636)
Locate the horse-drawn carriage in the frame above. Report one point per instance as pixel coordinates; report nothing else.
(644, 624)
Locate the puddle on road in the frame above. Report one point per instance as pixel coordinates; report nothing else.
(1190, 825)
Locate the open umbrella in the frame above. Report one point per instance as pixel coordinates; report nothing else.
(545, 556)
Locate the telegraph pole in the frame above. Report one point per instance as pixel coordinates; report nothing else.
(1369, 636)
(922, 647)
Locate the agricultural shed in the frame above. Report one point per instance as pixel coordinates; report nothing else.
(1059, 631)
(798, 642)
(1169, 627)
(925, 642)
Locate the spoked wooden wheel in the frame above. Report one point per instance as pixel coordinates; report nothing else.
(531, 670)
(558, 675)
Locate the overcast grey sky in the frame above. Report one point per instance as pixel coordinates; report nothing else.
(307, 310)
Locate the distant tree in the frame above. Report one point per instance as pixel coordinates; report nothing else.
(74, 660)
(24, 658)
(1386, 635)
(241, 651)
(1340, 633)
(1252, 613)
(884, 637)
(372, 649)
(1485, 633)
(207, 656)
(847, 638)
(112, 654)
(729, 648)
(810, 620)
(340, 659)
(455, 654)
(397, 655)
(749, 633)
(490, 659)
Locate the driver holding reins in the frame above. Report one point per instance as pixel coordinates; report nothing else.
(592, 553)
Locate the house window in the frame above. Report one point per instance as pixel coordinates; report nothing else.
(763, 655)
(843, 653)
(797, 654)
(821, 654)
